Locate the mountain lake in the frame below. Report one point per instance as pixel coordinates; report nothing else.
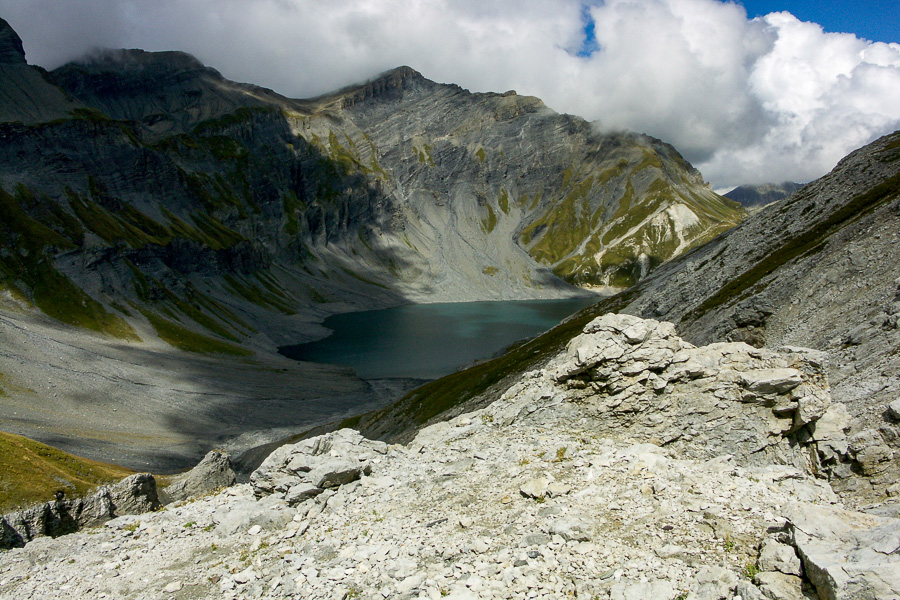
(428, 341)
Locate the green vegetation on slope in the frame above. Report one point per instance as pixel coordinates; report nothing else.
(30, 472)
(190, 341)
(809, 241)
(26, 260)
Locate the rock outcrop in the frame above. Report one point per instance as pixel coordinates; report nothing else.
(304, 470)
(11, 50)
(526, 498)
(846, 554)
(212, 473)
(133, 495)
(636, 377)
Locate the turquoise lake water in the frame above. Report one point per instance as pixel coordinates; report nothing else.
(428, 341)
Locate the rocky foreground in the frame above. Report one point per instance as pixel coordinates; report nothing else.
(633, 466)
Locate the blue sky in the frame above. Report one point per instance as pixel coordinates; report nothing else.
(875, 20)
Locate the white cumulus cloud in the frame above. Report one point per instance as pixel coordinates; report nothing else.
(747, 101)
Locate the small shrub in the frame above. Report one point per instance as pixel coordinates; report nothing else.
(750, 570)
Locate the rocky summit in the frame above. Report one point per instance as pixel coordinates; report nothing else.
(530, 497)
(154, 214)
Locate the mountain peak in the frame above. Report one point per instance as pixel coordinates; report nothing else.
(11, 49)
(135, 63)
(390, 85)
(107, 73)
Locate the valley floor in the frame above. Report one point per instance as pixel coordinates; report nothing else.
(150, 407)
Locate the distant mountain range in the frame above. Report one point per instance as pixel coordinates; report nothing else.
(751, 196)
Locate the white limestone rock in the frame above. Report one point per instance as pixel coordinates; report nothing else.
(305, 469)
(775, 556)
(847, 554)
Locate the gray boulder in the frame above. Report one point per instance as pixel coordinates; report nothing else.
(779, 586)
(212, 473)
(572, 528)
(870, 451)
(775, 556)
(307, 468)
(894, 410)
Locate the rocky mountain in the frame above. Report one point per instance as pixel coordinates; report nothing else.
(26, 94)
(198, 205)
(820, 269)
(751, 196)
(164, 230)
(634, 465)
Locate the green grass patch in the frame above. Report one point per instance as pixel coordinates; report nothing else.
(503, 201)
(90, 115)
(293, 208)
(562, 228)
(31, 472)
(216, 235)
(489, 223)
(28, 261)
(260, 297)
(238, 117)
(184, 339)
(126, 224)
(363, 279)
(194, 310)
(224, 148)
(58, 297)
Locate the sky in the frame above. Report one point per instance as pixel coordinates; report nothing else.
(753, 92)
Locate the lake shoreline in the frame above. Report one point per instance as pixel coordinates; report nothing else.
(429, 341)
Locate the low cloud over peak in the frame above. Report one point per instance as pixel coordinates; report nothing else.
(747, 101)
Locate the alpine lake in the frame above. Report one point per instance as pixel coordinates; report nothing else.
(428, 341)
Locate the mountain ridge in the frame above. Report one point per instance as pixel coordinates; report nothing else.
(817, 270)
(162, 210)
(760, 195)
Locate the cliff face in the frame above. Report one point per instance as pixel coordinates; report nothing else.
(160, 187)
(25, 93)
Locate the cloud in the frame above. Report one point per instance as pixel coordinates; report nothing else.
(746, 101)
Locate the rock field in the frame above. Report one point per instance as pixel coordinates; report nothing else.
(529, 497)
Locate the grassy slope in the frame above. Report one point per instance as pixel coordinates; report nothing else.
(30, 472)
